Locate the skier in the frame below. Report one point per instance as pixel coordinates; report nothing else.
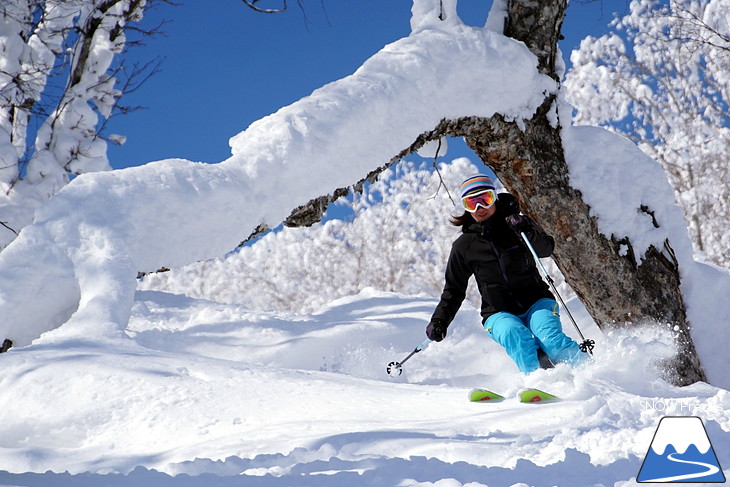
(518, 310)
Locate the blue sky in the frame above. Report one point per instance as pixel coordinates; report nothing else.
(226, 66)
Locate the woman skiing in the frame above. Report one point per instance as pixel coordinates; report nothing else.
(518, 310)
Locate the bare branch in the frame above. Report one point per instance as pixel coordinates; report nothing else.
(252, 4)
(6, 226)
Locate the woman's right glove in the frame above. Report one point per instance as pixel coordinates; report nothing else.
(507, 204)
(436, 331)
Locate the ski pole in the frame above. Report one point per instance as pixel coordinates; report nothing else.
(397, 366)
(586, 345)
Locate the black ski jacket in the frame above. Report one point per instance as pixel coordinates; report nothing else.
(505, 271)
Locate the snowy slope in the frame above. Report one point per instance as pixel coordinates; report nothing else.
(204, 388)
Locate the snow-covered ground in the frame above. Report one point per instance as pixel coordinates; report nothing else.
(213, 394)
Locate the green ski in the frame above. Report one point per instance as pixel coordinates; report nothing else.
(483, 395)
(535, 396)
(530, 396)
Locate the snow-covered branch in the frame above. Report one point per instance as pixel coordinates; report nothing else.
(58, 85)
(661, 79)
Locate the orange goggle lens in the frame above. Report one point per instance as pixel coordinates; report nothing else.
(484, 199)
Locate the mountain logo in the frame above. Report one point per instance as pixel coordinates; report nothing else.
(680, 452)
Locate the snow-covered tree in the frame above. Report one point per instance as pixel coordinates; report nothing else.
(661, 79)
(59, 83)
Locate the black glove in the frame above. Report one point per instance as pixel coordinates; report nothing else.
(436, 331)
(518, 223)
(507, 204)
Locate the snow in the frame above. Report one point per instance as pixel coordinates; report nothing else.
(204, 388)
(116, 385)
(715, 18)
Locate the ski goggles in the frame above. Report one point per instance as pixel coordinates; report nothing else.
(485, 199)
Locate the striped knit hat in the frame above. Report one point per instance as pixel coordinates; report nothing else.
(475, 184)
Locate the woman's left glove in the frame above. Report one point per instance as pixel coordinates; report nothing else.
(518, 223)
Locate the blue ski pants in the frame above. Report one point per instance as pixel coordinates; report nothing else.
(521, 335)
